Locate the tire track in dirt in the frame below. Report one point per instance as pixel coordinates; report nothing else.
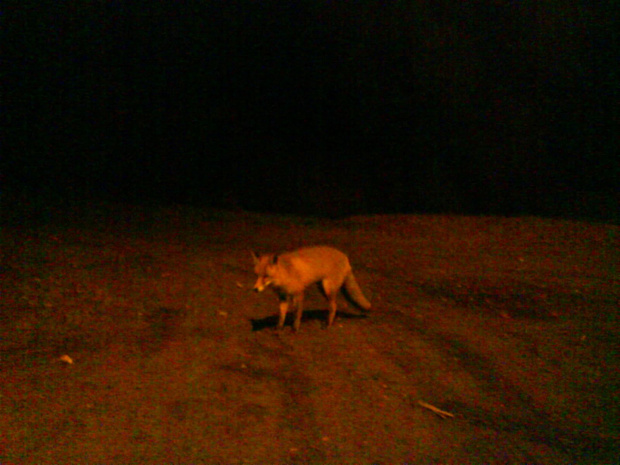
(336, 397)
(275, 358)
(509, 409)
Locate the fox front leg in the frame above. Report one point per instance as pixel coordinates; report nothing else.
(298, 301)
(283, 311)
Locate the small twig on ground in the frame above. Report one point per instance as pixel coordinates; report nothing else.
(432, 408)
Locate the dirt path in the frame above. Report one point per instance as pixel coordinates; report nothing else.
(508, 324)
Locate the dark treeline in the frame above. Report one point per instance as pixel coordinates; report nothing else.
(317, 107)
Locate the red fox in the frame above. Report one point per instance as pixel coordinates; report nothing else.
(291, 273)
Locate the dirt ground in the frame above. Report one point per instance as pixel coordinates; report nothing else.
(130, 335)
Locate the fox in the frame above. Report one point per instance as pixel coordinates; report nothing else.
(289, 274)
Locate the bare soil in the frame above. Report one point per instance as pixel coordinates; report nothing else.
(130, 335)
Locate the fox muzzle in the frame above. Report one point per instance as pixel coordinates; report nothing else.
(261, 285)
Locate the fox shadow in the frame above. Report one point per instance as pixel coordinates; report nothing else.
(259, 324)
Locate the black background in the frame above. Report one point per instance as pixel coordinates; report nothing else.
(319, 107)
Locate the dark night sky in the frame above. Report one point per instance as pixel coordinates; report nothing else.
(316, 106)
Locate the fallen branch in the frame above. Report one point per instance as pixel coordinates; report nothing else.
(432, 408)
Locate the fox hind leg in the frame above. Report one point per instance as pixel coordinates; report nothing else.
(332, 310)
(330, 294)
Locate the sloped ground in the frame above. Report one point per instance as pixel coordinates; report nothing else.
(510, 325)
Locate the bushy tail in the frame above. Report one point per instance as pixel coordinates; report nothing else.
(353, 293)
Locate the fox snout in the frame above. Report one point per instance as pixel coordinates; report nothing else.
(261, 285)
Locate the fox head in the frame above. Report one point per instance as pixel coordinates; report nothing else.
(265, 267)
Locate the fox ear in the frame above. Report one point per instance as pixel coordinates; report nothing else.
(274, 259)
(254, 256)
